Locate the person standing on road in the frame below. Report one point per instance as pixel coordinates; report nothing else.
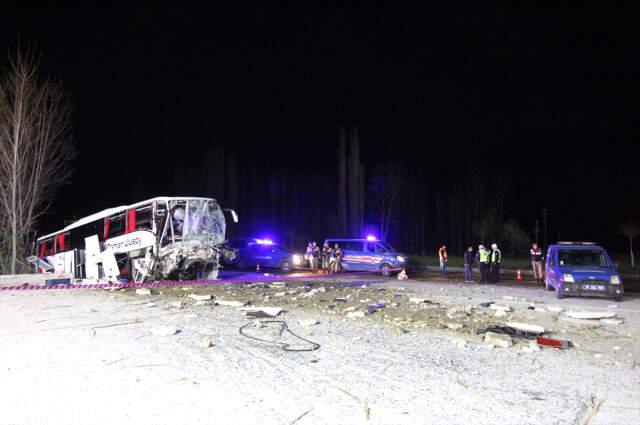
(468, 264)
(483, 264)
(496, 257)
(442, 255)
(309, 255)
(315, 256)
(536, 262)
(326, 257)
(337, 259)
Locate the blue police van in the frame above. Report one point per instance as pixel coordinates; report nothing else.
(252, 252)
(581, 269)
(368, 254)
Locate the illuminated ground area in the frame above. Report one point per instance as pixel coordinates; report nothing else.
(86, 356)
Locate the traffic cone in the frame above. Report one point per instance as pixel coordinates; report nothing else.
(518, 276)
(257, 268)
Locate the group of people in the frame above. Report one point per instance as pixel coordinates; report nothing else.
(330, 259)
(488, 263)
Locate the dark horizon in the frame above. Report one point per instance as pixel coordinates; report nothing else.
(545, 95)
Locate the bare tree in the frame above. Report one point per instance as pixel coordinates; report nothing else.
(630, 229)
(355, 185)
(386, 189)
(36, 144)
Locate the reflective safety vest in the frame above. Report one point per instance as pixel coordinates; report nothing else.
(484, 256)
(496, 256)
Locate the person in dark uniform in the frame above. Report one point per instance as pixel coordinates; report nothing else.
(469, 257)
(337, 259)
(326, 257)
(496, 258)
(536, 262)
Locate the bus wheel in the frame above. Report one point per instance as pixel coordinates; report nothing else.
(385, 269)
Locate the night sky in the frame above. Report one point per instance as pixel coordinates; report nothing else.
(550, 94)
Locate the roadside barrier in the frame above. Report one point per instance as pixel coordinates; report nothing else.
(254, 279)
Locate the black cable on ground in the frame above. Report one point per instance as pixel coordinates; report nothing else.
(283, 327)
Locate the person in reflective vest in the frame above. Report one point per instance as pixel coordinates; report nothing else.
(496, 257)
(442, 255)
(483, 264)
(536, 262)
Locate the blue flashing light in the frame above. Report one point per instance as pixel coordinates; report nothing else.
(264, 241)
(371, 238)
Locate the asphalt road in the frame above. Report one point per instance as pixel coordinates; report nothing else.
(507, 279)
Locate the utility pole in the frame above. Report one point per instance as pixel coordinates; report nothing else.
(536, 229)
(544, 226)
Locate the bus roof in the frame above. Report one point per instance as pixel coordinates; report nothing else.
(115, 210)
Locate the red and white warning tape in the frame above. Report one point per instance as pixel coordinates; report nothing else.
(271, 278)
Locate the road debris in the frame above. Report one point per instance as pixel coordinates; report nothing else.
(614, 322)
(231, 303)
(308, 322)
(200, 297)
(355, 314)
(589, 315)
(206, 343)
(145, 291)
(553, 343)
(498, 340)
(261, 311)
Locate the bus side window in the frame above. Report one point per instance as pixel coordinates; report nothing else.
(144, 218)
(116, 226)
(62, 243)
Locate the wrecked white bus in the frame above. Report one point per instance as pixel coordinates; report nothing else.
(162, 238)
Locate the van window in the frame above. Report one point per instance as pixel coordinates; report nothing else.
(351, 245)
(375, 248)
(582, 258)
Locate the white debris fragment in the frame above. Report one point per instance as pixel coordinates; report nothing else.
(540, 310)
(591, 314)
(499, 340)
(500, 307)
(614, 322)
(355, 314)
(459, 342)
(507, 297)
(144, 291)
(418, 300)
(352, 308)
(190, 316)
(308, 322)
(455, 326)
(261, 311)
(280, 294)
(177, 304)
(526, 327)
(200, 297)
(150, 304)
(230, 303)
(500, 313)
(164, 331)
(206, 343)
(198, 303)
(555, 308)
(612, 306)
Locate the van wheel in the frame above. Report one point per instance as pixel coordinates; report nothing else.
(285, 266)
(547, 286)
(385, 269)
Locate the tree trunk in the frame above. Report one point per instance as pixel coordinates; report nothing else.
(631, 250)
(342, 184)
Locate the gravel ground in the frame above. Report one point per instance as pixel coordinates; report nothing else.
(94, 357)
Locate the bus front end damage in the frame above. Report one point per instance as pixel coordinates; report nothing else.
(192, 244)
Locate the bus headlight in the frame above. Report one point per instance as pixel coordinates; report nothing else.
(568, 278)
(296, 259)
(401, 258)
(615, 280)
